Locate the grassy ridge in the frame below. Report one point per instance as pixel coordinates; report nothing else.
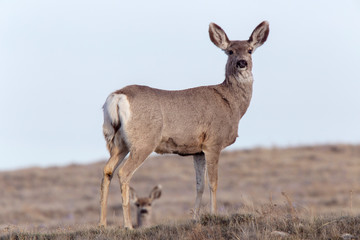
(309, 192)
(236, 226)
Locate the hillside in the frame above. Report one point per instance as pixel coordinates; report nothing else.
(315, 179)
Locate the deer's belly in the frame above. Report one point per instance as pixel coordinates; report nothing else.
(178, 146)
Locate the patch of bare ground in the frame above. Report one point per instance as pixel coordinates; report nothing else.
(310, 192)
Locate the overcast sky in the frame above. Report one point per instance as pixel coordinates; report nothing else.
(60, 59)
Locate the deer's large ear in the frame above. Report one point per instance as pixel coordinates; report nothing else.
(133, 196)
(218, 36)
(155, 193)
(259, 35)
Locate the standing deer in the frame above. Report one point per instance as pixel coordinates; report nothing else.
(199, 121)
(144, 205)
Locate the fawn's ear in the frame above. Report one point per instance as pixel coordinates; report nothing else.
(218, 36)
(259, 35)
(155, 193)
(133, 196)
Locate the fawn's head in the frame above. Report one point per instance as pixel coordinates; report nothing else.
(239, 64)
(144, 205)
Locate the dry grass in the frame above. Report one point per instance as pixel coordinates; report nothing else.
(272, 225)
(307, 192)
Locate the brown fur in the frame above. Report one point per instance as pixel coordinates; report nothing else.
(199, 121)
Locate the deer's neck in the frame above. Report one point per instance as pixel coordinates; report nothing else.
(242, 77)
(239, 88)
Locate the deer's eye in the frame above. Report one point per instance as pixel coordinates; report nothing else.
(230, 52)
(136, 204)
(250, 51)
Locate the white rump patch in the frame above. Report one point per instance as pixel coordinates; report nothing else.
(116, 111)
(124, 108)
(117, 108)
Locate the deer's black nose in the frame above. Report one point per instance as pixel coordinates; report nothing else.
(241, 64)
(143, 211)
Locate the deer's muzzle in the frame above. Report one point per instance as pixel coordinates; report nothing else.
(241, 64)
(143, 211)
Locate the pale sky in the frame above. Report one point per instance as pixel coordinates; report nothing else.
(60, 59)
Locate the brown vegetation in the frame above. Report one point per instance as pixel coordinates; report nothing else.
(307, 192)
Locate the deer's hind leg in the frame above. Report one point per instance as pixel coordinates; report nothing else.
(117, 154)
(126, 171)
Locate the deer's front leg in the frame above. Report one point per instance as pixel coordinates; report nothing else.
(199, 164)
(212, 160)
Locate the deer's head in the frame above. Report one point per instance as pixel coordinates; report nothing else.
(239, 63)
(144, 205)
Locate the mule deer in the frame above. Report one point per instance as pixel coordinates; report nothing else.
(198, 121)
(143, 205)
